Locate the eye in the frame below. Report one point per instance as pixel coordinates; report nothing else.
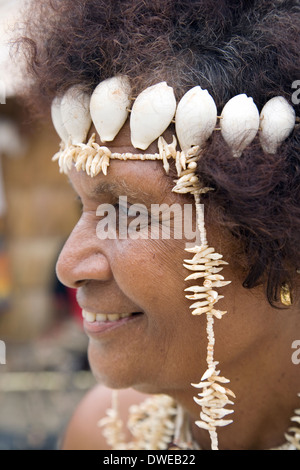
(122, 206)
(134, 216)
(79, 204)
(131, 210)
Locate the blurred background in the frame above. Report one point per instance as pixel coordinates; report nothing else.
(46, 372)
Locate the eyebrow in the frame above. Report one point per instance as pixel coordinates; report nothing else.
(120, 188)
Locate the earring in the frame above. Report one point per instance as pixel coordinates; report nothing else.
(285, 295)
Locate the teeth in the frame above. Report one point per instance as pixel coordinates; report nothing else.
(113, 317)
(125, 315)
(102, 317)
(90, 317)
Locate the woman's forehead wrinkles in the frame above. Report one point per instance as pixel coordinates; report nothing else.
(145, 187)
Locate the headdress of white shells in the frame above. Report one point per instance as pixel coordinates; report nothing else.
(195, 119)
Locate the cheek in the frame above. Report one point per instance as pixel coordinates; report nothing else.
(150, 272)
(151, 275)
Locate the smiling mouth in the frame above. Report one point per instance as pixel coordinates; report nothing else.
(104, 318)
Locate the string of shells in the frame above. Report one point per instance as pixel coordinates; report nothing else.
(153, 413)
(213, 395)
(153, 111)
(205, 266)
(94, 159)
(113, 428)
(151, 423)
(293, 434)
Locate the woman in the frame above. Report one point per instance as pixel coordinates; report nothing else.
(125, 82)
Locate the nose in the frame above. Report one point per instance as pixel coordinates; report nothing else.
(82, 259)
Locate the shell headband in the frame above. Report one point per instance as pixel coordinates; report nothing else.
(152, 112)
(195, 118)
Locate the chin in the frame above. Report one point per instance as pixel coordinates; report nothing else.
(120, 377)
(111, 375)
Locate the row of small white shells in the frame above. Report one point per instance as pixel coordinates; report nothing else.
(155, 108)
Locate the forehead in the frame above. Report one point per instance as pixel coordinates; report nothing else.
(146, 178)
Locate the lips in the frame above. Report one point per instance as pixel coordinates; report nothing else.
(96, 324)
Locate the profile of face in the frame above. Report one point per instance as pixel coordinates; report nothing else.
(139, 323)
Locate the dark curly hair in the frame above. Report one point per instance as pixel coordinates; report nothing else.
(228, 47)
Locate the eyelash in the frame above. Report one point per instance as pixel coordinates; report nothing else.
(118, 207)
(79, 203)
(121, 208)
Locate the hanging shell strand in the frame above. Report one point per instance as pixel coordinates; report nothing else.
(206, 264)
(293, 435)
(213, 396)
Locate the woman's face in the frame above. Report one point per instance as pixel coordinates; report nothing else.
(148, 338)
(139, 323)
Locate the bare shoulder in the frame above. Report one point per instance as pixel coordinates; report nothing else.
(83, 432)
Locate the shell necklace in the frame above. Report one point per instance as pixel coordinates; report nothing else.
(159, 423)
